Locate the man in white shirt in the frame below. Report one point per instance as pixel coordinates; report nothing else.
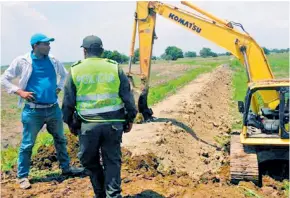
(38, 87)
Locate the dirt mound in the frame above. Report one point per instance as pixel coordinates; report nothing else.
(46, 158)
(183, 135)
(134, 169)
(142, 178)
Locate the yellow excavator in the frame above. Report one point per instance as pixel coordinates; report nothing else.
(265, 132)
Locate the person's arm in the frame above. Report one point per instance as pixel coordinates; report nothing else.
(127, 97)
(12, 72)
(63, 75)
(69, 100)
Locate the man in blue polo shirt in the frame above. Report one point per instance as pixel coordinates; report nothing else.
(38, 87)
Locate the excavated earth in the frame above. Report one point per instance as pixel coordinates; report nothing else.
(180, 154)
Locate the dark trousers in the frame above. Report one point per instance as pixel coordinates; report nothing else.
(105, 180)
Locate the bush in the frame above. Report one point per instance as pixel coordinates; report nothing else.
(190, 54)
(206, 52)
(172, 53)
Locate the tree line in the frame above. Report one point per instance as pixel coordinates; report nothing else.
(173, 53)
(269, 51)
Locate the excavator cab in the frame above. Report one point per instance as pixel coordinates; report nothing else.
(265, 132)
(262, 124)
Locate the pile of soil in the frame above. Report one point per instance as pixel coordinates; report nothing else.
(183, 136)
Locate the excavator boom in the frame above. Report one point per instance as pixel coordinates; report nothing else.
(222, 33)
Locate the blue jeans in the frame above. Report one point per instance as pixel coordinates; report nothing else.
(33, 120)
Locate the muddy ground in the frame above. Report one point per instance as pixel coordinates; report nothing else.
(178, 155)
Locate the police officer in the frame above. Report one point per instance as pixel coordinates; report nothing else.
(98, 106)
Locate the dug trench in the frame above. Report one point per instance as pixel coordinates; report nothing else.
(184, 153)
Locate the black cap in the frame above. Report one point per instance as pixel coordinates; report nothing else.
(92, 42)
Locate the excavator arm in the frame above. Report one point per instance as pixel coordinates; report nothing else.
(222, 33)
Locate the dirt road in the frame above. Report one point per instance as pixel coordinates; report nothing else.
(183, 135)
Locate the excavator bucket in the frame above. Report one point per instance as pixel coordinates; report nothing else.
(141, 95)
(146, 31)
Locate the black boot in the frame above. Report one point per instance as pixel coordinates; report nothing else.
(73, 171)
(97, 180)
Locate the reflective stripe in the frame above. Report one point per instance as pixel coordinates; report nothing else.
(91, 120)
(88, 120)
(97, 97)
(101, 110)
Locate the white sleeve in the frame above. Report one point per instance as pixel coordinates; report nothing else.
(12, 72)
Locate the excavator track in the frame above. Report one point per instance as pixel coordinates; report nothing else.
(243, 162)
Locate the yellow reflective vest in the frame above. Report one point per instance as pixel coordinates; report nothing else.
(97, 86)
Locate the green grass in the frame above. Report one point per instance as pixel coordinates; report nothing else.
(280, 64)
(159, 92)
(41, 175)
(286, 186)
(203, 61)
(223, 141)
(9, 155)
(249, 192)
(280, 67)
(239, 80)
(8, 158)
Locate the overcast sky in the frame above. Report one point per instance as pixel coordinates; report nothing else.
(69, 22)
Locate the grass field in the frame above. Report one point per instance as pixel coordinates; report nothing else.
(280, 67)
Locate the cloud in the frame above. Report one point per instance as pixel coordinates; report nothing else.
(18, 22)
(267, 22)
(22, 9)
(70, 22)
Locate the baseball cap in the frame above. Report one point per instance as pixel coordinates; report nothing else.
(92, 42)
(39, 38)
